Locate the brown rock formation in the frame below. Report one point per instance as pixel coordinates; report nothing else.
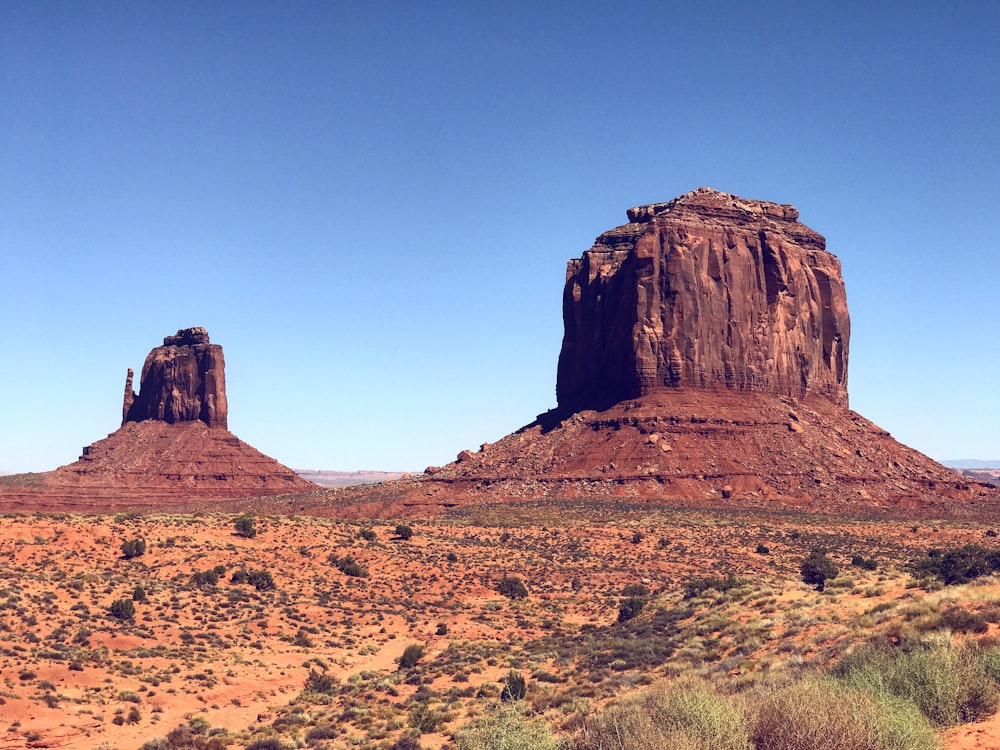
(704, 363)
(708, 290)
(172, 450)
(183, 380)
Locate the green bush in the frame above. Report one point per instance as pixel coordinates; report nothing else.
(817, 569)
(122, 609)
(687, 715)
(867, 563)
(204, 578)
(820, 712)
(697, 586)
(320, 682)
(349, 566)
(959, 565)
(515, 687)
(368, 535)
(404, 532)
(138, 593)
(630, 608)
(133, 548)
(245, 526)
(504, 727)
(261, 580)
(411, 655)
(950, 685)
(512, 587)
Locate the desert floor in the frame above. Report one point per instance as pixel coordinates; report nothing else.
(231, 662)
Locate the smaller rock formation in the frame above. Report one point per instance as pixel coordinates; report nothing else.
(182, 381)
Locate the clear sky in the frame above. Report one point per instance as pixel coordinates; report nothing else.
(370, 205)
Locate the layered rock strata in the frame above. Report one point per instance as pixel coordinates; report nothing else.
(707, 290)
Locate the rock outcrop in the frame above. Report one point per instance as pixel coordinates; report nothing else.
(172, 451)
(708, 290)
(704, 363)
(182, 381)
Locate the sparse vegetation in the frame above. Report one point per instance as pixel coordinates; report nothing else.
(245, 526)
(512, 587)
(132, 548)
(817, 569)
(411, 655)
(122, 609)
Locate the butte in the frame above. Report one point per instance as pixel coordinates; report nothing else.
(703, 364)
(173, 449)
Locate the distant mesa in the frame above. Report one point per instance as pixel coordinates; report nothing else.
(172, 449)
(704, 362)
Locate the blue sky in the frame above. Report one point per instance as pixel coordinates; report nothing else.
(371, 205)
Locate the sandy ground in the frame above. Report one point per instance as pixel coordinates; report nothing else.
(232, 657)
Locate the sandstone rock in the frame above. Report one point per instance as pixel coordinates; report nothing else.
(708, 290)
(182, 381)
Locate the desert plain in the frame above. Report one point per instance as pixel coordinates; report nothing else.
(311, 657)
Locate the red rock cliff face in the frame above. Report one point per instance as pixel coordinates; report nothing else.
(182, 381)
(709, 290)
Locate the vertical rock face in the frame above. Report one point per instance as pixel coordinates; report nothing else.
(182, 381)
(709, 290)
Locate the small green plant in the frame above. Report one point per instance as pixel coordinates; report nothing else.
(817, 569)
(122, 609)
(133, 548)
(320, 682)
(411, 655)
(512, 587)
(245, 526)
(630, 608)
(515, 687)
(349, 566)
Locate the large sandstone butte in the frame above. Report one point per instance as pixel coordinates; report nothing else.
(706, 290)
(704, 362)
(183, 380)
(172, 450)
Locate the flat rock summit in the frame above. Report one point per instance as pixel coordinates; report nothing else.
(704, 362)
(173, 447)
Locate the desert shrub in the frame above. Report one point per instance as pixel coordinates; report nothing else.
(404, 532)
(762, 549)
(688, 715)
(268, 743)
(204, 578)
(238, 577)
(956, 566)
(406, 742)
(134, 716)
(817, 569)
(261, 580)
(635, 589)
(129, 696)
(814, 712)
(133, 548)
(368, 535)
(245, 526)
(504, 727)
(949, 685)
(320, 682)
(442, 629)
(451, 557)
(960, 620)
(866, 563)
(349, 566)
(637, 537)
(515, 687)
(122, 609)
(631, 607)
(512, 587)
(327, 732)
(138, 593)
(411, 655)
(697, 586)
